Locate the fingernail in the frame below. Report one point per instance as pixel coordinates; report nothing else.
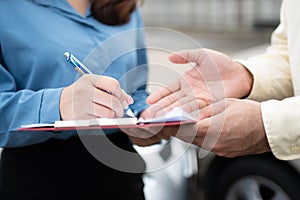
(130, 100)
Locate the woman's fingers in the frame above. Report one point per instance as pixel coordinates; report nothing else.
(100, 111)
(93, 95)
(110, 101)
(111, 86)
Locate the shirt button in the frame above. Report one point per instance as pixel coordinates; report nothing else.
(295, 149)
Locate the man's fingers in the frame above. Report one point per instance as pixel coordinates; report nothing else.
(187, 103)
(145, 142)
(212, 109)
(158, 95)
(164, 91)
(167, 132)
(169, 100)
(185, 132)
(177, 59)
(187, 56)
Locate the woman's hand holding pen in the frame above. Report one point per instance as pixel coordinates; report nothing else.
(93, 96)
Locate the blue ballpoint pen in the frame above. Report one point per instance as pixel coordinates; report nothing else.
(82, 69)
(78, 66)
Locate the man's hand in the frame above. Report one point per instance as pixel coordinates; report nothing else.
(144, 136)
(93, 96)
(215, 77)
(230, 128)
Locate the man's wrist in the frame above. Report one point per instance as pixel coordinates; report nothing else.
(246, 81)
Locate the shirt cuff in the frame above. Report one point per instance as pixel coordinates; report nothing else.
(50, 111)
(281, 128)
(256, 80)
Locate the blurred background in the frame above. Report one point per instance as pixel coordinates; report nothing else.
(213, 15)
(240, 29)
(227, 25)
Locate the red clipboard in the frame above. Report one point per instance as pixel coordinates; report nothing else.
(175, 117)
(141, 125)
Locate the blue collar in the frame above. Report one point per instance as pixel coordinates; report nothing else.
(62, 5)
